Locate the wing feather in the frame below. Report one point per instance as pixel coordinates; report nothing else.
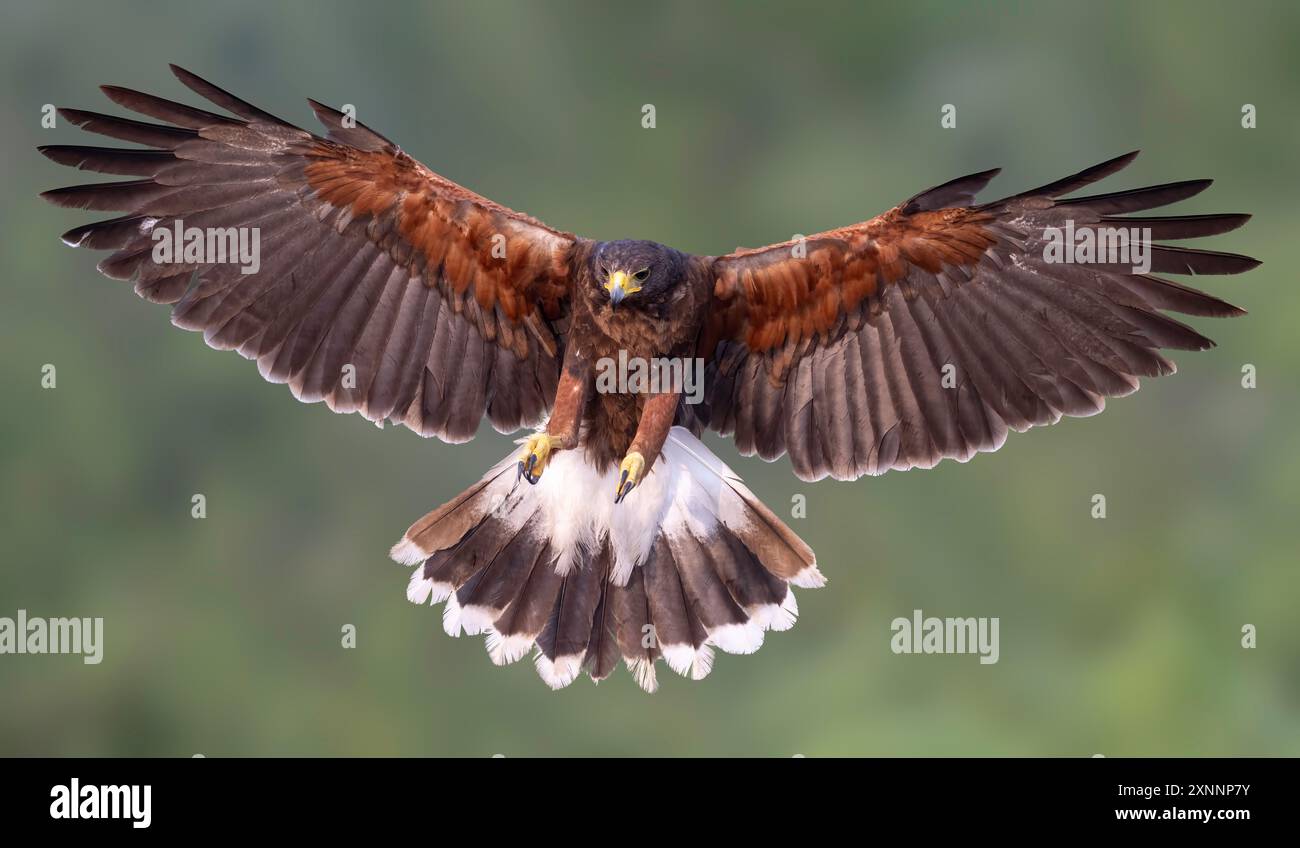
(445, 305)
(932, 330)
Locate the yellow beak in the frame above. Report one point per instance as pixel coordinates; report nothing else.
(620, 285)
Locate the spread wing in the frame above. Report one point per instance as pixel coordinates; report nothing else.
(930, 331)
(378, 286)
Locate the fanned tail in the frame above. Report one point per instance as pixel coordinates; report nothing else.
(689, 562)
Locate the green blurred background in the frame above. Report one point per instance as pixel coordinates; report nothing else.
(1118, 636)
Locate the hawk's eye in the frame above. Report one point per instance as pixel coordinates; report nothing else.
(604, 272)
(642, 275)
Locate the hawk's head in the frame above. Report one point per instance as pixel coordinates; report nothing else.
(637, 274)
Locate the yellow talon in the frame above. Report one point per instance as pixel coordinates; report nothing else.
(630, 471)
(536, 453)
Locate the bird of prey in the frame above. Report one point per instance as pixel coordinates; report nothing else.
(925, 333)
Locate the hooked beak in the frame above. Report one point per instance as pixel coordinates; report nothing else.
(620, 285)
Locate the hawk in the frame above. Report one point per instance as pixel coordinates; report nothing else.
(925, 333)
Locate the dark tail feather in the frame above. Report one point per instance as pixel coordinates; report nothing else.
(632, 630)
(602, 650)
(563, 643)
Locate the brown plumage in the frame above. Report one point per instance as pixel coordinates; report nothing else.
(925, 333)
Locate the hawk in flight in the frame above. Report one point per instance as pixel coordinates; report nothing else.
(927, 332)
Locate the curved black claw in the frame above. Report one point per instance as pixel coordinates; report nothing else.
(623, 488)
(526, 471)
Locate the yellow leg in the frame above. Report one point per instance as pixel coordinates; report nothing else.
(536, 453)
(630, 471)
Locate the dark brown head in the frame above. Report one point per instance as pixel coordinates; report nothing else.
(638, 275)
